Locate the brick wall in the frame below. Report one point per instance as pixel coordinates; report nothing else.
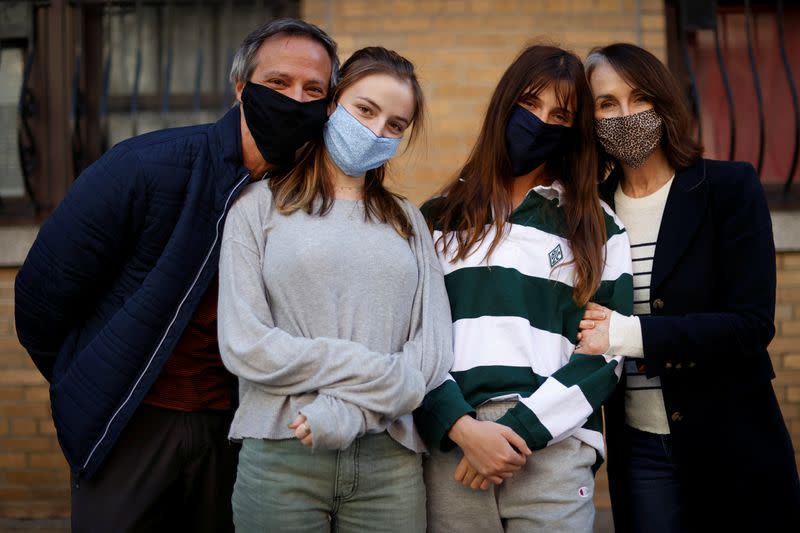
(785, 348)
(34, 478)
(462, 47)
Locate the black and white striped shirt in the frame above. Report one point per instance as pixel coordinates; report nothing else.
(644, 402)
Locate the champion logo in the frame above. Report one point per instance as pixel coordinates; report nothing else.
(583, 492)
(555, 255)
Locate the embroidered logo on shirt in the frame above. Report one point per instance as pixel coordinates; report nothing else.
(555, 255)
(583, 492)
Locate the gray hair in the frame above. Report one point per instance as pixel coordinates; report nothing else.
(594, 60)
(244, 62)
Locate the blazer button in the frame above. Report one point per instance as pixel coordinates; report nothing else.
(676, 416)
(668, 365)
(678, 366)
(692, 364)
(658, 304)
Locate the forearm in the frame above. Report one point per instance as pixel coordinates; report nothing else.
(565, 400)
(335, 423)
(440, 410)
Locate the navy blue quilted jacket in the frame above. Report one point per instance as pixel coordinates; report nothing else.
(117, 271)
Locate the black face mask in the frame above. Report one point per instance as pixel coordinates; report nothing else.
(531, 142)
(281, 125)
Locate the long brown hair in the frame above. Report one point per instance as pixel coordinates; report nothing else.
(644, 71)
(309, 180)
(480, 193)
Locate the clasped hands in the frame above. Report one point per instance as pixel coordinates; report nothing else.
(302, 430)
(492, 452)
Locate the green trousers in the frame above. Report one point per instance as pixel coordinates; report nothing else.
(374, 485)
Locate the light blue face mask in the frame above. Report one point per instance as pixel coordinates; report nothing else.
(353, 146)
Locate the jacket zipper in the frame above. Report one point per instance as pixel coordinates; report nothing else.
(169, 327)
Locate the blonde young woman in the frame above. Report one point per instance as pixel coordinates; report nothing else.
(333, 313)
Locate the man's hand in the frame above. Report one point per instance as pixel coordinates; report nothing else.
(593, 336)
(469, 477)
(302, 430)
(489, 447)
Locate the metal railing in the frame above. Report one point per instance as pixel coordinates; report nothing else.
(83, 97)
(693, 16)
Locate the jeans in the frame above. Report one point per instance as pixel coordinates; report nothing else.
(374, 485)
(655, 495)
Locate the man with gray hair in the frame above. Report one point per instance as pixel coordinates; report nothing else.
(116, 301)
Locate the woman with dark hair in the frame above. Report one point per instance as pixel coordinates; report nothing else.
(695, 435)
(334, 315)
(524, 243)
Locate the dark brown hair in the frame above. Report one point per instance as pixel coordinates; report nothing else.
(480, 193)
(300, 187)
(644, 71)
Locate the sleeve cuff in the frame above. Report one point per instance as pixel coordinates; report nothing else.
(625, 336)
(527, 425)
(439, 411)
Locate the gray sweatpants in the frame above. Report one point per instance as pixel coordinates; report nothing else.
(552, 492)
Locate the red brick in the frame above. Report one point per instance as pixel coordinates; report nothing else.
(791, 361)
(11, 393)
(790, 260)
(790, 328)
(21, 377)
(46, 427)
(15, 359)
(38, 394)
(788, 278)
(788, 294)
(22, 409)
(28, 444)
(784, 311)
(28, 477)
(7, 326)
(793, 394)
(12, 460)
(22, 427)
(36, 510)
(7, 275)
(50, 460)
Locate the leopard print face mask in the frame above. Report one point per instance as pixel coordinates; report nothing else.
(632, 138)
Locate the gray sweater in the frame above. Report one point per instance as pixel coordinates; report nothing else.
(330, 316)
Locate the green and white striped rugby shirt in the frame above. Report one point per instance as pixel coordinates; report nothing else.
(515, 325)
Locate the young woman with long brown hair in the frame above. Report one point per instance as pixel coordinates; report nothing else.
(524, 243)
(332, 305)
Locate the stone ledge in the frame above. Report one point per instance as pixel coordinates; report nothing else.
(15, 241)
(786, 229)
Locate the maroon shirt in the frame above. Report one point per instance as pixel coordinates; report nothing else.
(194, 378)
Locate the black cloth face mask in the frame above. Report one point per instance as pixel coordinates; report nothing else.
(531, 142)
(280, 125)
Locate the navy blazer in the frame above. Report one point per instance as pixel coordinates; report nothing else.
(712, 300)
(117, 271)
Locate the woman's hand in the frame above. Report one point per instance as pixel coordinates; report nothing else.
(302, 430)
(490, 447)
(593, 336)
(469, 477)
